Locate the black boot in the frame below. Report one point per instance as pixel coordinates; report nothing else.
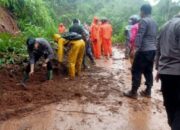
(132, 93)
(146, 93)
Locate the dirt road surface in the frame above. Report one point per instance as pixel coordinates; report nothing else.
(92, 102)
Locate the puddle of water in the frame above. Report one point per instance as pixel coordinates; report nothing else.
(74, 116)
(113, 63)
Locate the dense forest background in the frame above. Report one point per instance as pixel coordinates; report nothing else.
(40, 18)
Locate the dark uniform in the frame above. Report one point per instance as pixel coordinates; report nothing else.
(44, 50)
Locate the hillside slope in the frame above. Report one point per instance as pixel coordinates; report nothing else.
(7, 23)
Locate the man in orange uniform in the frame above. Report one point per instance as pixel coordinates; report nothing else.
(94, 30)
(106, 34)
(62, 28)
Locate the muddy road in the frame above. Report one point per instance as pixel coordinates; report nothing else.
(93, 101)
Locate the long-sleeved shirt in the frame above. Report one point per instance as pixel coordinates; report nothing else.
(43, 49)
(168, 48)
(78, 29)
(146, 37)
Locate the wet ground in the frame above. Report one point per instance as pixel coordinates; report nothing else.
(92, 102)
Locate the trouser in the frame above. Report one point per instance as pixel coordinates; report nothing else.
(75, 58)
(170, 85)
(143, 64)
(131, 58)
(107, 47)
(131, 54)
(36, 58)
(88, 53)
(110, 48)
(127, 49)
(96, 49)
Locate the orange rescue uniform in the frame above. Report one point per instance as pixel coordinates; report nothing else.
(106, 34)
(62, 29)
(94, 31)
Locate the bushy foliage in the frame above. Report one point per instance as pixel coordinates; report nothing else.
(34, 12)
(34, 19)
(12, 48)
(40, 18)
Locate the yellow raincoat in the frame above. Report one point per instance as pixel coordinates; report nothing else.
(75, 54)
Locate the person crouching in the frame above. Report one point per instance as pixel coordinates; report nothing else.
(37, 48)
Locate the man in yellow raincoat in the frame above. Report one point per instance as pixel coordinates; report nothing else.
(75, 54)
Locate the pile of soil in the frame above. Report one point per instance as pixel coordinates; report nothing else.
(7, 23)
(14, 100)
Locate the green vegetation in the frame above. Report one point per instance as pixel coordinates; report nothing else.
(40, 18)
(34, 19)
(12, 48)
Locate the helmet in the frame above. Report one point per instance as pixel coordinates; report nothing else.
(30, 43)
(56, 37)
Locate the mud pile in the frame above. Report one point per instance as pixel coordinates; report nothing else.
(7, 23)
(15, 101)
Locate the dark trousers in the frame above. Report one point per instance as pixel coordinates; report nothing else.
(88, 53)
(143, 64)
(36, 58)
(171, 94)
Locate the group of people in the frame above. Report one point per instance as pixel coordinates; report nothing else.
(74, 47)
(100, 35)
(141, 48)
(144, 46)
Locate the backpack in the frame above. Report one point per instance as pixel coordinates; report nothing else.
(72, 36)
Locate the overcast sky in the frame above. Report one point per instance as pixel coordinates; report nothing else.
(154, 2)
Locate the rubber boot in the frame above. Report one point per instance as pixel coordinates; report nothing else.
(25, 78)
(132, 93)
(50, 75)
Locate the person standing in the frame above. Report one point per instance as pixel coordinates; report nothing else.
(127, 38)
(88, 50)
(77, 28)
(168, 66)
(62, 28)
(133, 33)
(94, 35)
(106, 34)
(145, 54)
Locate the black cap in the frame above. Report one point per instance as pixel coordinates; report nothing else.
(30, 43)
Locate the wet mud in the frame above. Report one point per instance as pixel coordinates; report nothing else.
(93, 101)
